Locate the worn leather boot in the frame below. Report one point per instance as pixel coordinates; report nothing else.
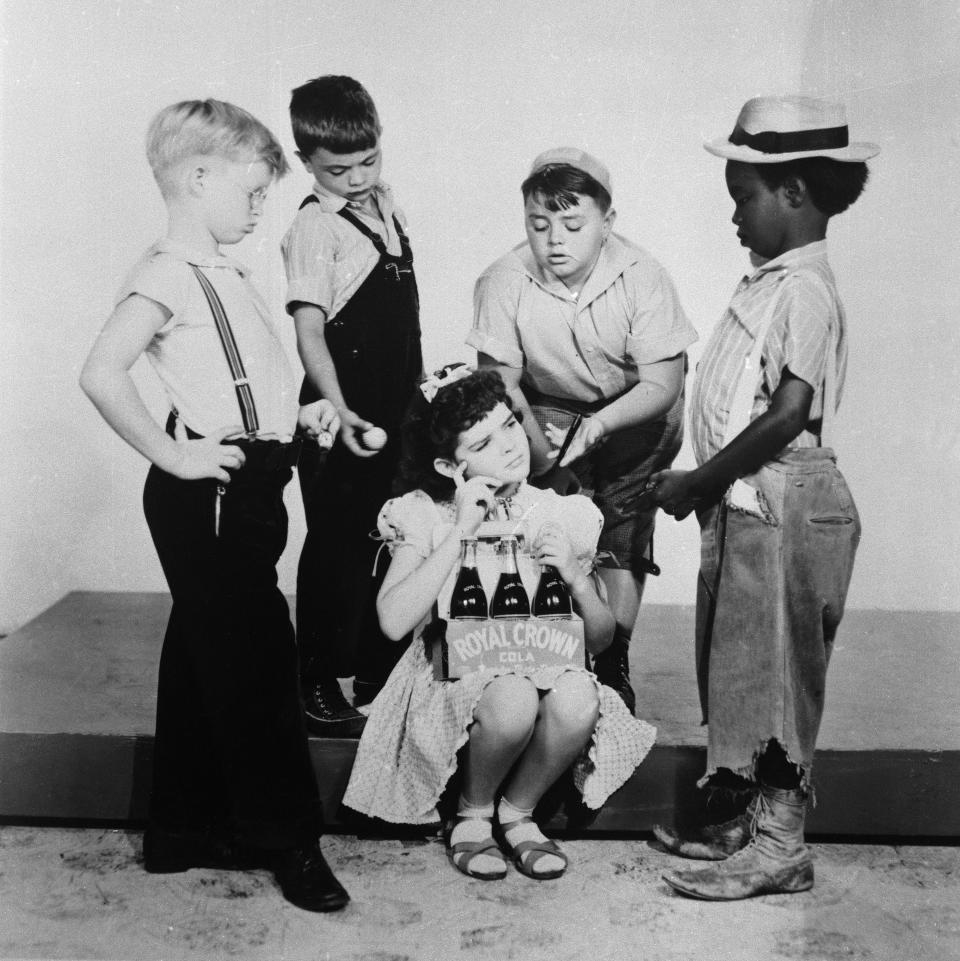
(612, 668)
(775, 861)
(712, 842)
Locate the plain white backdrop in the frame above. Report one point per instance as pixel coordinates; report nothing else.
(468, 93)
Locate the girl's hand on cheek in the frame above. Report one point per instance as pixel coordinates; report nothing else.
(473, 499)
(552, 547)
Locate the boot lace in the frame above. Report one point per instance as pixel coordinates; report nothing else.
(761, 809)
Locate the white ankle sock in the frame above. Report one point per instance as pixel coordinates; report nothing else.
(508, 815)
(476, 827)
(467, 809)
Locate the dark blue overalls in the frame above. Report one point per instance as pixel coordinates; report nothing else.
(375, 344)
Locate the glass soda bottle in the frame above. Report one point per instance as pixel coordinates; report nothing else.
(468, 600)
(510, 598)
(553, 596)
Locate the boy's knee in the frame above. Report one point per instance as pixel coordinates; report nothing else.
(573, 701)
(508, 705)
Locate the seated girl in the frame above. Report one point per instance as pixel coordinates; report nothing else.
(467, 458)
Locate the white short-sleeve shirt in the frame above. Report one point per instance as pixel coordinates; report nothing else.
(187, 354)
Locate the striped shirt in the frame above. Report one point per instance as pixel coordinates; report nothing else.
(326, 258)
(587, 348)
(808, 318)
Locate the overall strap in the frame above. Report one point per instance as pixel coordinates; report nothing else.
(248, 410)
(371, 235)
(404, 239)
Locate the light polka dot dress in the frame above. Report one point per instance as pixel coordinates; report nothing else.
(417, 724)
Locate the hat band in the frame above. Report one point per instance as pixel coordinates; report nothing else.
(796, 141)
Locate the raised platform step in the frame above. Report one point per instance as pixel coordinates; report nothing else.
(77, 702)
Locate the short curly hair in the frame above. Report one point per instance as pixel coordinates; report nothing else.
(432, 430)
(833, 185)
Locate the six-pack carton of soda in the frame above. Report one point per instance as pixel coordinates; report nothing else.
(505, 582)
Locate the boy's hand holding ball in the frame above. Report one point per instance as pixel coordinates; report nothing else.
(354, 431)
(373, 438)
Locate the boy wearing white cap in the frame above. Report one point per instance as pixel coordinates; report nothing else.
(779, 527)
(579, 321)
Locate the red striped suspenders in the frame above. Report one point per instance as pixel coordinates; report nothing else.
(248, 410)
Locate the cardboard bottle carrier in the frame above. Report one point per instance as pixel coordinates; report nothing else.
(459, 647)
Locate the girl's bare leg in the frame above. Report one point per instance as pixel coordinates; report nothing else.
(565, 722)
(503, 724)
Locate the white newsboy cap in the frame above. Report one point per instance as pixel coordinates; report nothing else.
(573, 157)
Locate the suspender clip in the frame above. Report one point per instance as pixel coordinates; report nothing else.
(397, 270)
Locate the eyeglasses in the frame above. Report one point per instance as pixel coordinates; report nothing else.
(255, 198)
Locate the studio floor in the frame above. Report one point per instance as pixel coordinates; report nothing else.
(72, 893)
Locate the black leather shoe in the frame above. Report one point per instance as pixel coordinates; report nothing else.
(328, 713)
(306, 880)
(612, 668)
(169, 852)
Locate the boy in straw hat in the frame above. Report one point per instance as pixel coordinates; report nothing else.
(778, 525)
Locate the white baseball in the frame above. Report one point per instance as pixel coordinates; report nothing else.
(374, 438)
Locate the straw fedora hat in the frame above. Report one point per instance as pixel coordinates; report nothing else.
(776, 129)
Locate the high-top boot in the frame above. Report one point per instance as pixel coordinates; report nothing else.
(327, 712)
(612, 667)
(775, 861)
(712, 842)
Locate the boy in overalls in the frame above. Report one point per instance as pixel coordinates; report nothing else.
(353, 297)
(233, 784)
(779, 527)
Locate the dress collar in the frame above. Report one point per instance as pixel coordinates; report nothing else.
(188, 255)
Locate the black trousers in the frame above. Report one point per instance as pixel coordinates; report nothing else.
(231, 754)
(338, 631)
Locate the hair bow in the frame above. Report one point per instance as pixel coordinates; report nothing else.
(443, 378)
